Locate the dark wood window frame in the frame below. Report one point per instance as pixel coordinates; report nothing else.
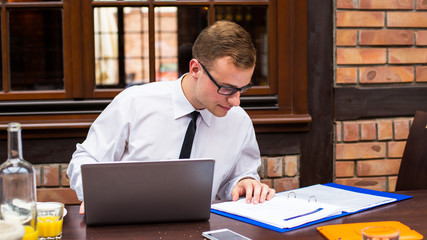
(280, 107)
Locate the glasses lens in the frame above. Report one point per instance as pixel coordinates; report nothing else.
(227, 90)
(230, 90)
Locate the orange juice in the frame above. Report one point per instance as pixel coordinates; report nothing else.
(30, 234)
(49, 226)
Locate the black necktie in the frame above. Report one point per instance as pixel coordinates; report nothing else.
(189, 136)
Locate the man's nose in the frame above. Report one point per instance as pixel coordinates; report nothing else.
(234, 100)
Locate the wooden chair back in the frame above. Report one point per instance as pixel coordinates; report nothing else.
(413, 168)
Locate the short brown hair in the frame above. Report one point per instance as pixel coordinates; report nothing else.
(225, 38)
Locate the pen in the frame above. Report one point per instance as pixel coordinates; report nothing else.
(302, 215)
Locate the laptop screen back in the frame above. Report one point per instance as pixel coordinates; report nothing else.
(147, 192)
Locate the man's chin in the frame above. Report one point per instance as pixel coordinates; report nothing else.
(219, 113)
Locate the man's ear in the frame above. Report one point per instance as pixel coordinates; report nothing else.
(195, 68)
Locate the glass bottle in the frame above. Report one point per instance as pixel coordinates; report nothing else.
(18, 186)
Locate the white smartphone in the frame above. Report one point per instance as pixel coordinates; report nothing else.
(224, 234)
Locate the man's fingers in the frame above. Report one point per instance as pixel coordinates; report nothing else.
(270, 194)
(253, 190)
(82, 208)
(249, 189)
(235, 193)
(264, 192)
(257, 192)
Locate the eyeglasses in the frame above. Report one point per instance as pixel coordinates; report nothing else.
(225, 90)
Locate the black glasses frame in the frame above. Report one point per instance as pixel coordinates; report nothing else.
(225, 90)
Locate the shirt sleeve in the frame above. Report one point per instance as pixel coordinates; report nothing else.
(246, 166)
(106, 142)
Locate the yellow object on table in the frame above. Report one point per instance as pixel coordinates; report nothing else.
(30, 234)
(353, 231)
(49, 226)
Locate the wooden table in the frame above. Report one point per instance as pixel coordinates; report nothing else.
(412, 212)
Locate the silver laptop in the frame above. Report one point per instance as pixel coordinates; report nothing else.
(147, 192)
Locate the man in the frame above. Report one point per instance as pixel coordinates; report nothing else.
(149, 122)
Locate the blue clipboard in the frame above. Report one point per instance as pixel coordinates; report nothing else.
(398, 197)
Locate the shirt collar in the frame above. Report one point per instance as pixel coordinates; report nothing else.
(183, 107)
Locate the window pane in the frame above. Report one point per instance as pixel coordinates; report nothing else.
(107, 71)
(176, 29)
(136, 45)
(166, 43)
(106, 46)
(121, 46)
(36, 57)
(121, 33)
(137, 70)
(254, 20)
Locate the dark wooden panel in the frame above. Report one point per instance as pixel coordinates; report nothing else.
(316, 146)
(12, 108)
(9, 108)
(41, 151)
(279, 144)
(353, 103)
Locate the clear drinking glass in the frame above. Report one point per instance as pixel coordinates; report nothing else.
(49, 220)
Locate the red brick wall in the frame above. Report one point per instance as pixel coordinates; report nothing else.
(53, 184)
(378, 43)
(282, 173)
(368, 152)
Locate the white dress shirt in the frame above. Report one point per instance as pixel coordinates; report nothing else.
(149, 122)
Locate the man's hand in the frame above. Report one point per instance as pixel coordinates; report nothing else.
(82, 208)
(252, 188)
